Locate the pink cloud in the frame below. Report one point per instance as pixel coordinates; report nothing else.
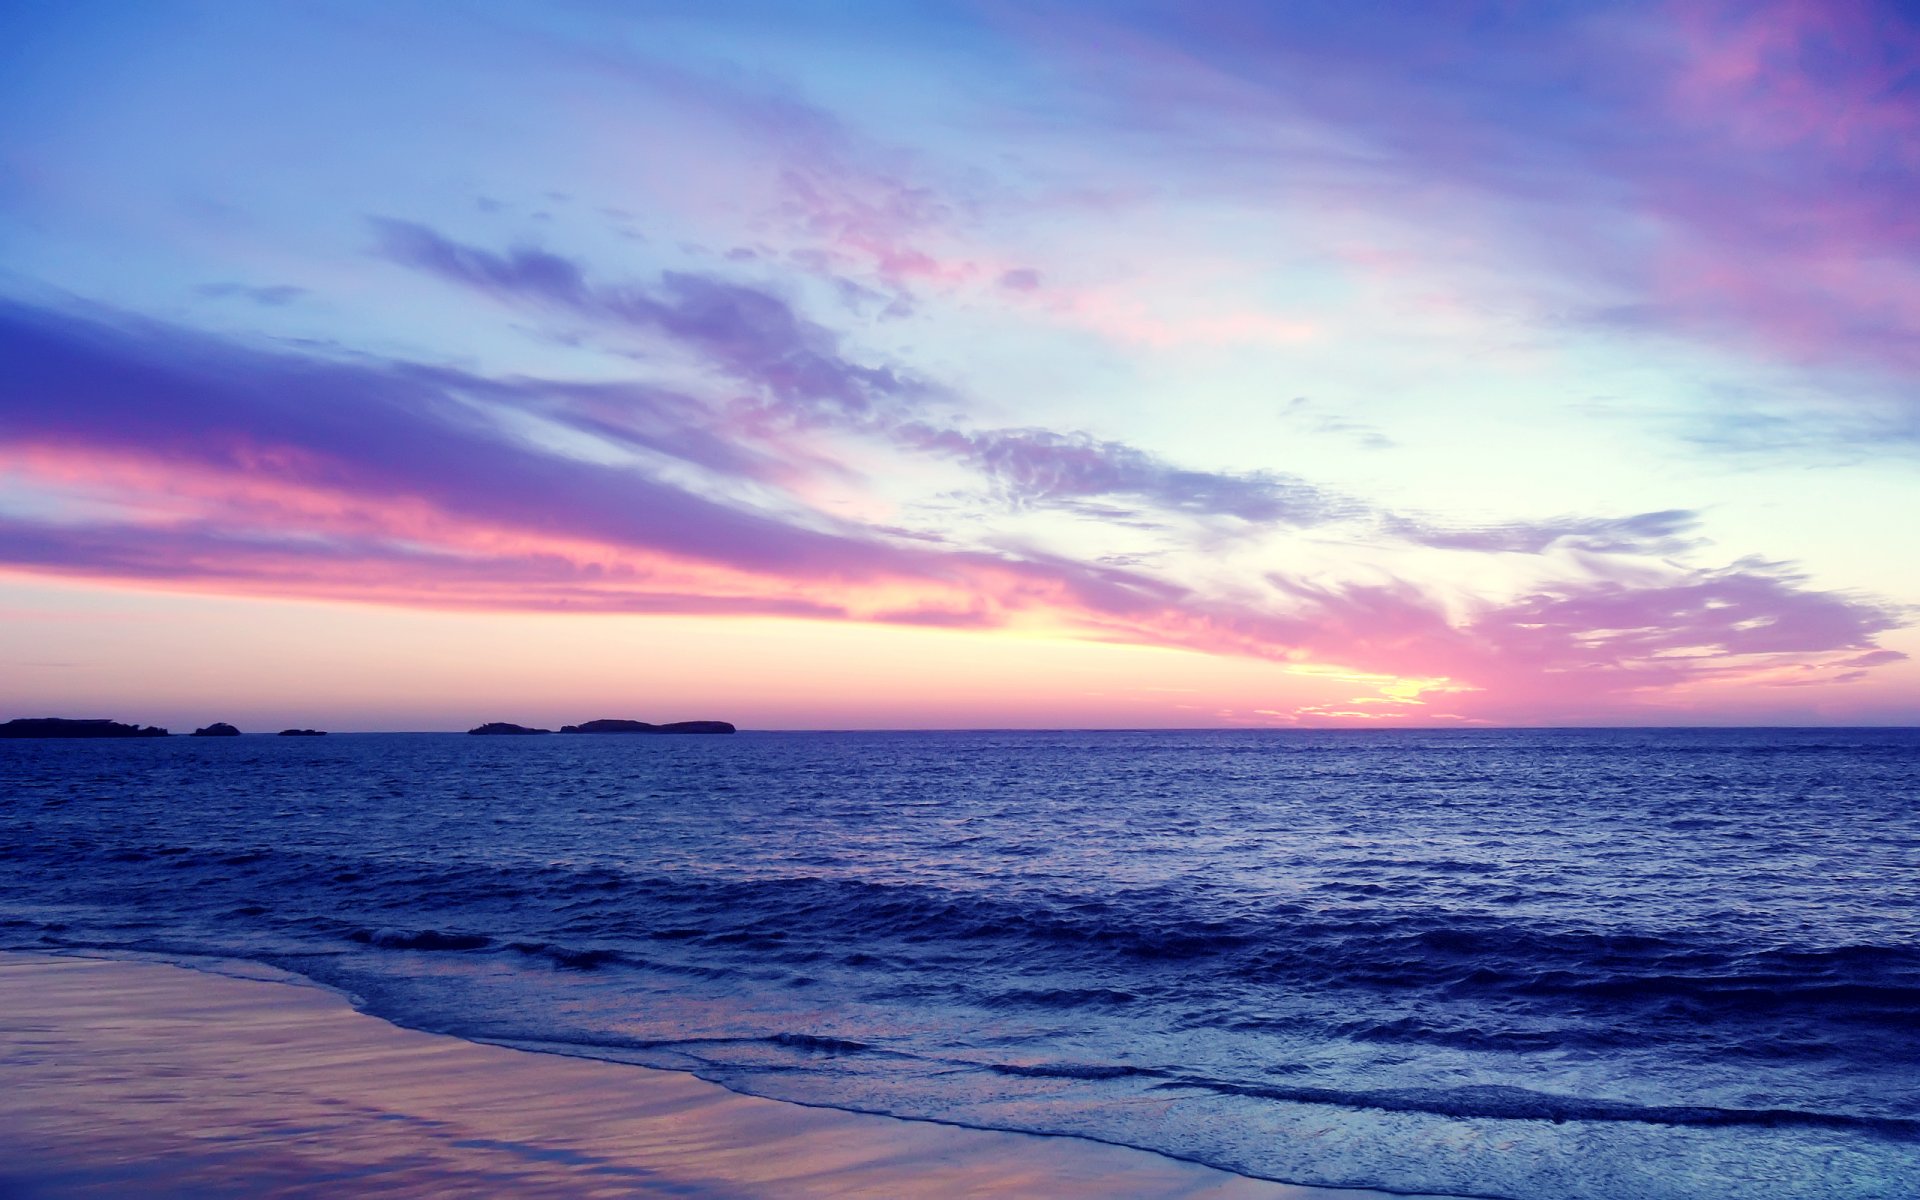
(241, 471)
(1739, 175)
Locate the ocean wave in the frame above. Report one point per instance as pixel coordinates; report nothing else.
(1519, 1104)
(419, 939)
(1070, 1070)
(575, 958)
(1099, 952)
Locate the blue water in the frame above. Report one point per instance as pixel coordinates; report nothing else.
(1540, 964)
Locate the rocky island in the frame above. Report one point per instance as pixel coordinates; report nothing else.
(217, 729)
(503, 729)
(303, 733)
(616, 726)
(65, 727)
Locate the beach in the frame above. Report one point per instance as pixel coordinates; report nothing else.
(122, 1077)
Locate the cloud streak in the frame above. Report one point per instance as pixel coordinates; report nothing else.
(1714, 173)
(1663, 532)
(1034, 467)
(318, 457)
(755, 336)
(749, 334)
(239, 469)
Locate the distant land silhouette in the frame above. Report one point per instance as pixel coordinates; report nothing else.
(615, 726)
(65, 727)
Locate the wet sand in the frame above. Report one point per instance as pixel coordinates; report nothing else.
(141, 1078)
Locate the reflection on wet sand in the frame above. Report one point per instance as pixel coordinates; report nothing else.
(121, 1077)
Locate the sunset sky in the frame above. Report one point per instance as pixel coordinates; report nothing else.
(405, 366)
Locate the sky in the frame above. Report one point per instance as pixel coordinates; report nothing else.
(411, 365)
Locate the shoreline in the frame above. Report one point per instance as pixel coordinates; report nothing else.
(122, 1075)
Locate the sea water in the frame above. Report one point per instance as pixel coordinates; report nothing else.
(1527, 964)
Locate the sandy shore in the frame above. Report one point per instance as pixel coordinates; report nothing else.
(139, 1078)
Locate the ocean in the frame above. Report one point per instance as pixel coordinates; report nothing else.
(1542, 965)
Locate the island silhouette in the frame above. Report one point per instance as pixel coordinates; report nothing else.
(100, 727)
(67, 727)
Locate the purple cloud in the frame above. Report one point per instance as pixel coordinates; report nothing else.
(1662, 532)
(388, 435)
(389, 432)
(289, 474)
(1734, 622)
(1034, 467)
(751, 335)
(1030, 468)
(1731, 174)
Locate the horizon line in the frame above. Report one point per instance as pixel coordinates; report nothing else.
(1485, 727)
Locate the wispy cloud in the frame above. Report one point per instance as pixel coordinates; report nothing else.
(749, 333)
(313, 458)
(1665, 532)
(285, 474)
(270, 295)
(1736, 176)
(1033, 467)
(755, 336)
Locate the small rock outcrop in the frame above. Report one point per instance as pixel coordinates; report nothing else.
(66, 727)
(617, 726)
(303, 733)
(217, 729)
(504, 729)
